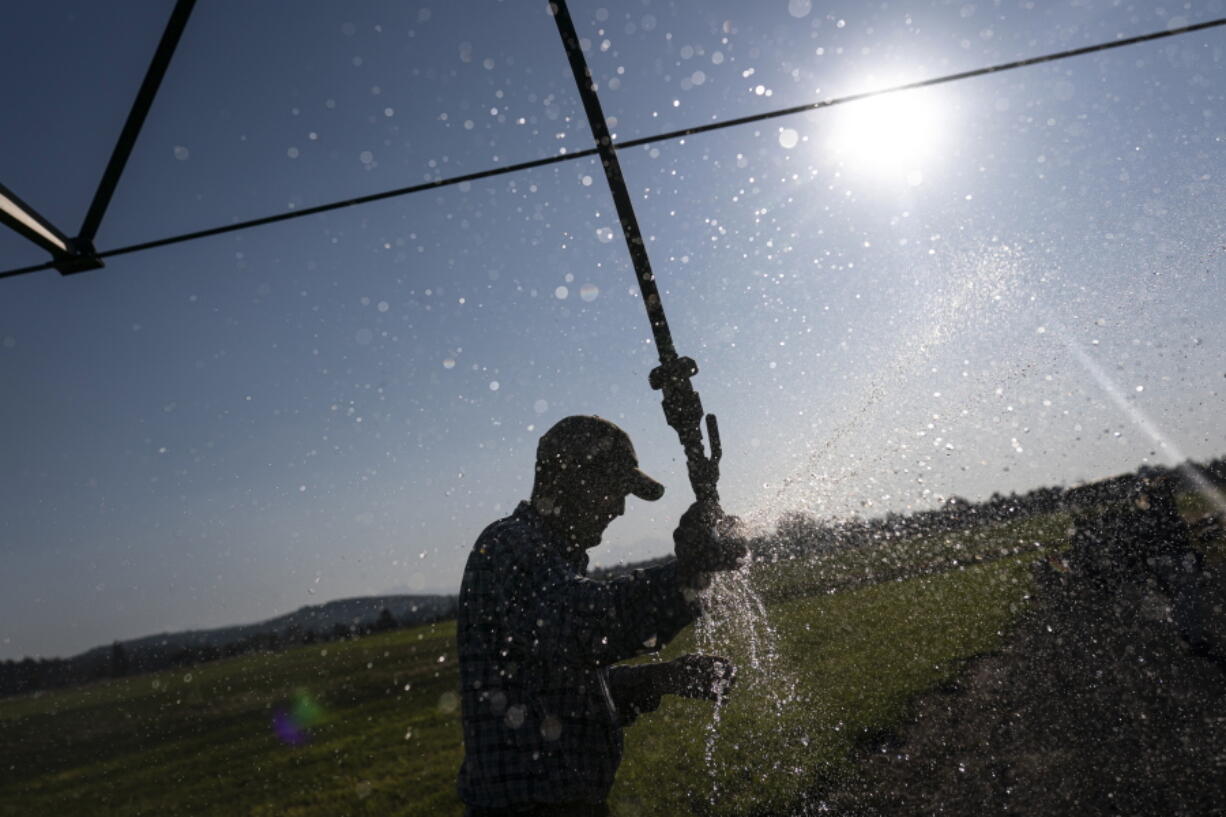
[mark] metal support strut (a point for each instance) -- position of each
(682, 405)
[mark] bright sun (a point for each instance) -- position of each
(894, 137)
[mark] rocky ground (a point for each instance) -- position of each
(1096, 705)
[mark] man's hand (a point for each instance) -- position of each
(708, 677)
(707, 541)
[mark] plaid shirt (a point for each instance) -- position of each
(543, 708)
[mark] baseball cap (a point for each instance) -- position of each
(587, 442)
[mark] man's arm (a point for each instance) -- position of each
(561, 616)
(638, 689)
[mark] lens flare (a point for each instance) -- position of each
(292, 723)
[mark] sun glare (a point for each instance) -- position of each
(894, 137)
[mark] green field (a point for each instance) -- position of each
(381, 721)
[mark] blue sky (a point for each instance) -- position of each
(990, 285)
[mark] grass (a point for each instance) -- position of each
(848, 665)
(907, 558)
(385, 736)
(200, 741)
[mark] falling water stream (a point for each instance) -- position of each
(735, 624)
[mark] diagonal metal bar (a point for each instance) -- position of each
(321, 208)
(136, 119)
(24, 219)
(617, 183)
(924, 83)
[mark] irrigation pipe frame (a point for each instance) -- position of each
(646, 140)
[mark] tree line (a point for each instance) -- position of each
(802, 533)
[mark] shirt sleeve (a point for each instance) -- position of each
(560, 615)
(635, 690)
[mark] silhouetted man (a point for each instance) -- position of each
(543, 705)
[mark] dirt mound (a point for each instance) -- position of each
(1096, 705)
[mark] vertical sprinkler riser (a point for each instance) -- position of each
(682, 405)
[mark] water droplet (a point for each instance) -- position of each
(551, 728)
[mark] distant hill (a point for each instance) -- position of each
(320, 618)
(343, 618)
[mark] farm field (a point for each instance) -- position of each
(371, 726)
(334, 305)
